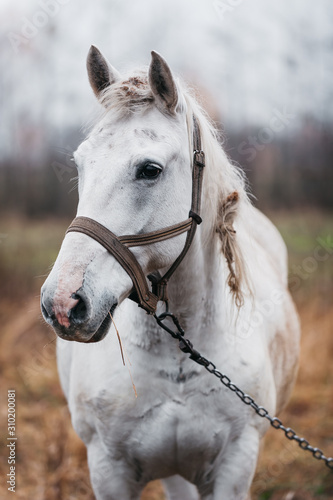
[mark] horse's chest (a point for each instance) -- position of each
(171, 427)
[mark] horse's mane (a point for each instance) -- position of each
(224, 198)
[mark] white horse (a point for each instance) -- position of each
(229, 293)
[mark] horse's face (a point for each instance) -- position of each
(134, 177)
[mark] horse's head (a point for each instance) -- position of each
(134, 177)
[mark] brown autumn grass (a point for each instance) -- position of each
(51, 460)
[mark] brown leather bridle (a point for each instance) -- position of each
(118, 246)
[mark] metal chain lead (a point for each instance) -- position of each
(186, 346)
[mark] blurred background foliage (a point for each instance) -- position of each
(263, 70)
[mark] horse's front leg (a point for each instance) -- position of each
(235, 472)
(111, 479)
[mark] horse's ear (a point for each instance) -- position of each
(162, 83)
(100, 72)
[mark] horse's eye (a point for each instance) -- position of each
(149, 171)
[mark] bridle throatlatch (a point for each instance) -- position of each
(118, 246)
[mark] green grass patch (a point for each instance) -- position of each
(28, 249)
(309, 239)
(266, 495)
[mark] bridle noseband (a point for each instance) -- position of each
(118, 246)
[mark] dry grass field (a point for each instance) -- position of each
(51, 460)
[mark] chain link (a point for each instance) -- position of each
(186, 346)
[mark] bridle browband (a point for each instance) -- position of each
(118, 246)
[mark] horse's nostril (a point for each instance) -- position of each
(45, 312)
(79, 312)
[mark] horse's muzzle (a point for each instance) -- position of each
(73, 319)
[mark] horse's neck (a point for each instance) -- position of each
(195, 291)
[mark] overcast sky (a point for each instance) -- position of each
(252, 58)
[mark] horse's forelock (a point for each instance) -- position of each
(131, 94)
